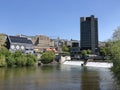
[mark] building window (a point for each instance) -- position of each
(12, 47)
(17, 47)
(22, 47)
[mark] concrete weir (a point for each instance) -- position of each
(90, 64)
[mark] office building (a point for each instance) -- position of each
(89, 33)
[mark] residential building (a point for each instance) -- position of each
(89, 33)
(23, 44)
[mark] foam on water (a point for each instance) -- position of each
(99, 64)
(91, 64)
(73, 62)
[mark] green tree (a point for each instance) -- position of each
(47, 57)
(116, 34)
(2, 40)
(115, 52)
(5, 51)
(65, 48)
(103, 51)
(88, 51)
(84, 53)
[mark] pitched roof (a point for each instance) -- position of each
(16, 39)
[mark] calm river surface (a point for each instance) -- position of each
(59, 77)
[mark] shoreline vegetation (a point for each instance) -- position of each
(113, 51)
(115, 56)
(19, 59)
(16, 59)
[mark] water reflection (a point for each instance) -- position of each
(64, 77)
(89, 79)
(15, 72)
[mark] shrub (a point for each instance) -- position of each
(31, 59)
(10, 60)
(17, 54)
(2, 60)
(21, 60)
(47, 57)
(16, 59)
(5, 52)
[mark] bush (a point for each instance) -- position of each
(5, 52)
(31, 59)
(2, 60)
(10, 60)
(47, 57)
(16, 59)
(20, 59)
(17, 54)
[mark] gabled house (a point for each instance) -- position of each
(23, 44)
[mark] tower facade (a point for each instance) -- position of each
(89, 33)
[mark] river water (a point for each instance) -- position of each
(57, 77)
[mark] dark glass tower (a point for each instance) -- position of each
(89, 33)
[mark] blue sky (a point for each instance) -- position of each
(57, 18)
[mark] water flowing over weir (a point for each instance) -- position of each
(91, 64)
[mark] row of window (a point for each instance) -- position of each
(17, 47)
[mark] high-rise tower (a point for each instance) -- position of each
(89, 33)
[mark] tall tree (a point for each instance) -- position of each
(103, 51)
(65, 48)
(2, 40)
(116, 34)
(88, 51)
(84, 53)
(115, 52)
